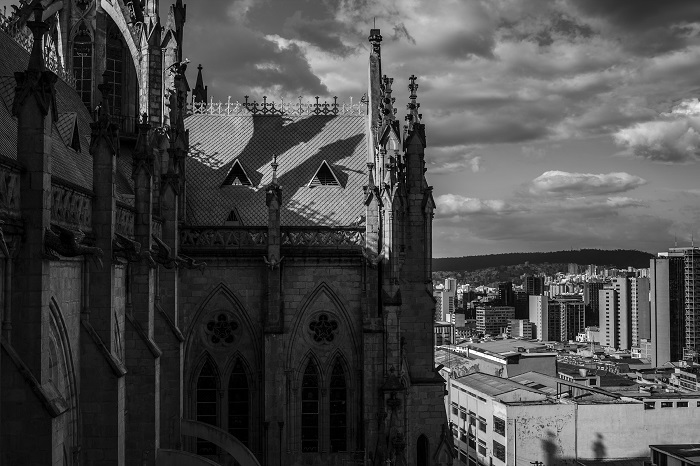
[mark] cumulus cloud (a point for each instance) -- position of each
(583, 184)
(454, 159)
(673, 137)
(451, 205)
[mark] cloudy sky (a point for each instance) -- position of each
(551, 124)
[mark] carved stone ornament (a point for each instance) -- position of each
(125, 250)
(323, 329)
(66, 243)
(220, 330)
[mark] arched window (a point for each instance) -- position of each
(238, 404)
(422, 451)
(309, 408)
(115, 68)
(338, 408)
(206, 405)
(82, 65)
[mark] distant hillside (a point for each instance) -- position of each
(620, 258)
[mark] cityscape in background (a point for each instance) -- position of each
(599, 362)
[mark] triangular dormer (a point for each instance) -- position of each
(237, 176)
(324, 177)
(67, 125)
(233, 219)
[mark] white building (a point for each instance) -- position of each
(535, 418)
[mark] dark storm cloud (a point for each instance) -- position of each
(647, 27)
(323, 33)
(238, 59)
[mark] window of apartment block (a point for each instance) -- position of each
(462, 456)
(463, 435)
(471, 441)
(681, 404)
(649, 405)
(482, 424)
(472, 419)
(463, 413)
(499, 426)
(454, 408)
(482, 447)
(499, 451)
(667, 404)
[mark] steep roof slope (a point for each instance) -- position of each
(300, 143)
(67, 164)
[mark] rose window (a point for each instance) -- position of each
(323, 330)
(220, 330)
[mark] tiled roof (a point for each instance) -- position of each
(301, 144)
(72, 166)
(65, 125)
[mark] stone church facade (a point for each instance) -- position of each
(186, 282)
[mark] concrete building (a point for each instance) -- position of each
(590, 299)
(539, 316)
(534, 286)
(675, 455)
(640, 309)
(572, 316)
(533, 417)
(185, 282)
(446, 301)
(444, 333)
(493, 320)
(503, 358)
(667, 301)
(521, 328)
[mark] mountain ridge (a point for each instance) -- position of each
(620, 258)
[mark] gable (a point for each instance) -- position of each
(324, 176)
(237, 176)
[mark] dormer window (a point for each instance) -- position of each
(237, 176)
(324, 177)
(233, 219)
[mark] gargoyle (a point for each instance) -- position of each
(126, 250)
(67, 243)
(272, 263)
(190, 263)
(373, 259)
(162, 254)
(179, 67)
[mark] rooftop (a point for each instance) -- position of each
(300, 144)
(689, 452)
(493, 386)
(507, 346)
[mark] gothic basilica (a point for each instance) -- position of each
(186, 282)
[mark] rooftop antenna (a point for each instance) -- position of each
(675, 241)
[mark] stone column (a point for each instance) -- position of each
(26, 426)
(274, 379)
(102, 391)
(142, 353)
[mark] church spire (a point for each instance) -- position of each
(200, 90)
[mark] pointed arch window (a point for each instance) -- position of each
(207, 384)
(338, 408)
(238, 404)
(82, 64)
(422, 451)
(115, 68)
(310, 408)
